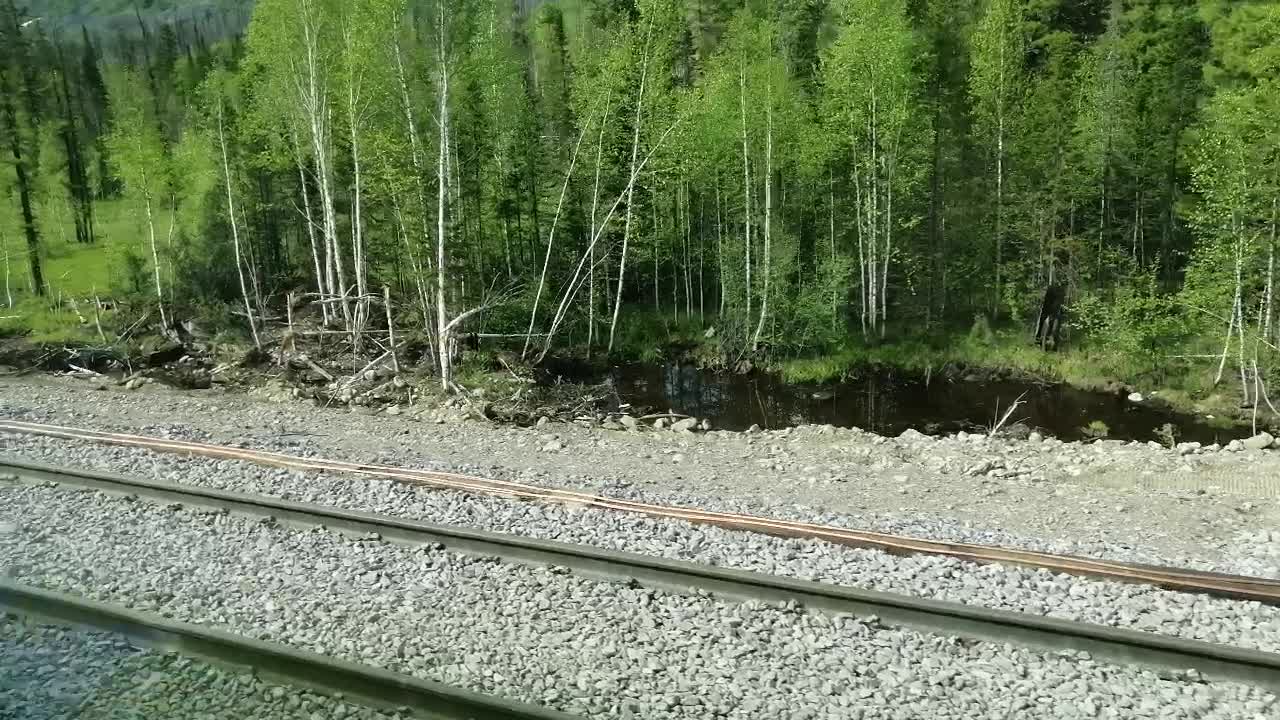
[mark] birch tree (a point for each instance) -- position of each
(293, 44)
(871, 88)
(216, 86)
(995, 84)
(1236, 170)
(139, 159)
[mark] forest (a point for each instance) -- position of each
(773, 182)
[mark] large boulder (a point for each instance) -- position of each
(1261, 441)
(685, 425)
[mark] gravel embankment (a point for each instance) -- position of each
(49, 672)
(544, 636)
(1127, 501)
(1139, 607)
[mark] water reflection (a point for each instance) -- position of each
(890, 401)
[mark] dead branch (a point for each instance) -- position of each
(667, 415)
(374, 363)
(1007, 413)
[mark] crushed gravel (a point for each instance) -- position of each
(1139, 607)
(540, 635)
(49, 672)
(1107, 499)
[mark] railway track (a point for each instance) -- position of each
(372, 686)
(1178, 579)
(1112, 644)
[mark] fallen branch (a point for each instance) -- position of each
(129, 330)
(372, 364)
(328, 377)
(1007, 413)
(667, 415)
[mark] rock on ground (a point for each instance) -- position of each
(595, 649)
(49, 672)
(1139, 607)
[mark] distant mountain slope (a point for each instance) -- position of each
(103, 14)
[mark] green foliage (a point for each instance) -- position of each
(1096, 429)
(1167, 435)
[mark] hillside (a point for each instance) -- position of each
(106, 13)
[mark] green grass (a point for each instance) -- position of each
(41, 322)
(72, 271)
(1010, 350)
(1185, 385)
(71, 268)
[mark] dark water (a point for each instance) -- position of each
(889, 401)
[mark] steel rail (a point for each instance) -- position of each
(979, 623)
(1238, 587)
(371, 686)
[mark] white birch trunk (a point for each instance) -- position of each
(746, 182)
(442, 180)
(626, 231)
(862, 254)
(575, 281)
(768, 213)
(995, 311)
(720, 245)
(357, 222)
(8, 286)
(155, 255)
(591, 249)
(416, 155)
(1271, 267)
(831, 206)
(235, 230)
(551, 235)
(314, 97)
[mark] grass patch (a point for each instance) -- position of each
(1086, 366)
(72, 268)
(45, 323)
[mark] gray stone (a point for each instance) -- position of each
(685, 425)
(426, 609)
(1187, 448)
(660, 424)
(1261, 441)
(629, 422)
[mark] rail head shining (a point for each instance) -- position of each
(970, 621)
